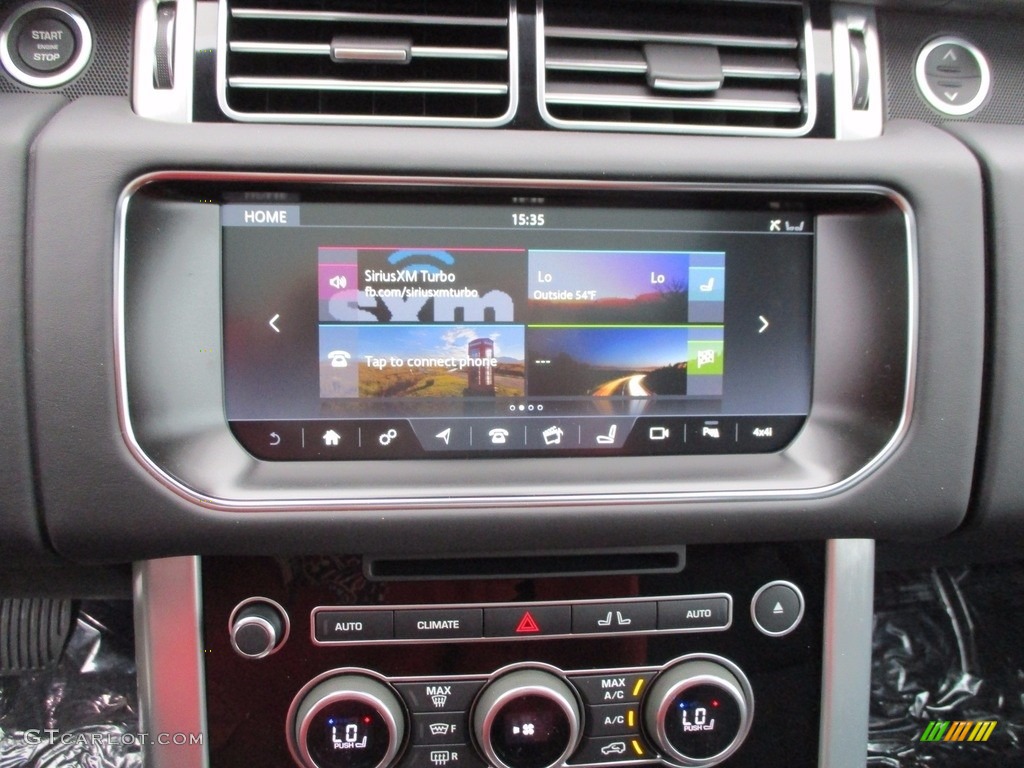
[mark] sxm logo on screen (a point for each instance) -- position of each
(959, 730)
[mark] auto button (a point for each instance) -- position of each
(354, 626)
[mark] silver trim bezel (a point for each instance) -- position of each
(445, 500)
(169, 104)
(847, 642)
(796, 621)
(808, 79)
(428, 122)
(856, 124)
(521, 606)
(167, 600)
(79, 59)
(921, 77)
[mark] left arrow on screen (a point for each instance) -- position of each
(273, 322)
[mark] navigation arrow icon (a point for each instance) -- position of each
(446, 435)
(764, 323)
(273, 320)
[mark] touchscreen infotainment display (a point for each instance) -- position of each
(513, 326)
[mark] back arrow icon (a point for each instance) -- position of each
(764, 323)
(274, 320)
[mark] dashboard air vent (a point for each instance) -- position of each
(450, 62)
(719, 66)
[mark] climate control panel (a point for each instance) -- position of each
(693, 711)
(319, 662)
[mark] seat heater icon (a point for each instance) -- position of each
(620, 620)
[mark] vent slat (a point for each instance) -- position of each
(342, 61)
(724, 100)
(598, 72)
(324, 49)
(362, 86)
(593, 59)
(274, 14)
(682, 38)
(631, 62)
(760, 67)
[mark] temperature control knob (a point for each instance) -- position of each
(698, 711)
(528, 718)
(348, 721)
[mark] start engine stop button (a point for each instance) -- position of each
(45, 44)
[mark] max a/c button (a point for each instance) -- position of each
(600, 690)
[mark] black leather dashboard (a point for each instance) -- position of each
(116, 447)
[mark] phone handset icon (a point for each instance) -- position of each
(339, 358)
(498, 436)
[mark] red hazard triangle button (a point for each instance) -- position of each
(527, 620)
(527, 625)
